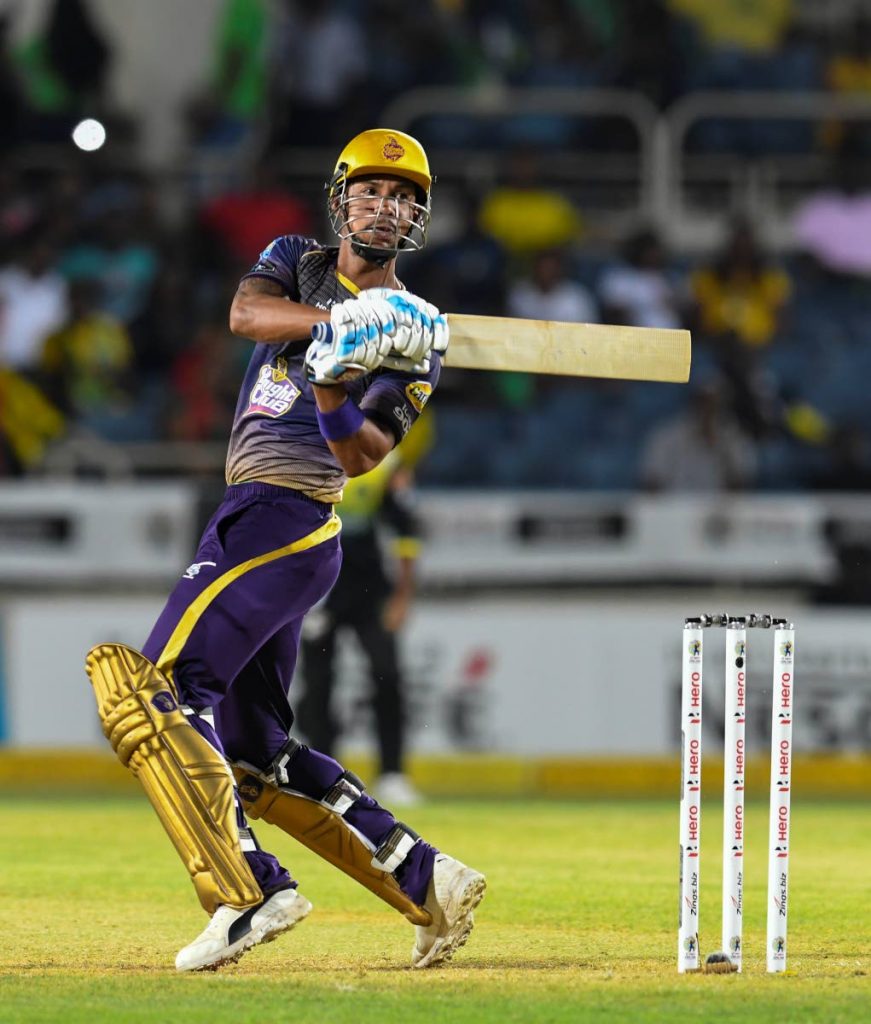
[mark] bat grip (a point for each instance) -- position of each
(322, 331)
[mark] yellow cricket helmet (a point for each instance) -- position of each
(382, 151)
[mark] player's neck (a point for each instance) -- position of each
(363, 273)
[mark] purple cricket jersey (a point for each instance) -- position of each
(275, 437)
(229, 634)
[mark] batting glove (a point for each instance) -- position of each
(348, 348)
(420, 328)
(369, 309)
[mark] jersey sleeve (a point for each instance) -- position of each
(279, 260)
(395, 400)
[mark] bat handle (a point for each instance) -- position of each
(322, 331)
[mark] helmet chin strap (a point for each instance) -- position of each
(372, 254)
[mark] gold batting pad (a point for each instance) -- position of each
(324, 833)
(184, 777)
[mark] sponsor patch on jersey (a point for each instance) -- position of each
(403, 418)
(264, 264)
(418, 392)
(264, 267)
(274, 393)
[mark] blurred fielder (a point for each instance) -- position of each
(371, 599)
(310, 414)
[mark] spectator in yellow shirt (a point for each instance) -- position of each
(848, 73)
(757, 26)
(87, 366)
(739, 300)
(741, 295)
(523, 215)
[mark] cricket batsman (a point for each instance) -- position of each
(202, 716)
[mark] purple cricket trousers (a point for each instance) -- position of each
(228, 638)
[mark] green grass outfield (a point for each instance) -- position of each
(579, 923)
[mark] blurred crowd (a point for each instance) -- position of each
(113, 309)
(310, 73)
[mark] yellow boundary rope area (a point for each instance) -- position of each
(28, 769)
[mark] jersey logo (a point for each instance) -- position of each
(264, 263)
(418, 392)
(274, 393)
(393, 150)
(404, 417)
(194, 570)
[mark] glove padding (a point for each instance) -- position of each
(420, 329)
(360, 337)
(365, 310)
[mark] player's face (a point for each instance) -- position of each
(380, 211)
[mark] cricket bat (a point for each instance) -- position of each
(569, 349)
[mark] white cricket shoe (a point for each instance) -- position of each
(454, 892)
(394, 789)
(231, 932)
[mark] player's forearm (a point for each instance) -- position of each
(366, 447)
(404, 587)
(270, 319)
(363, 451)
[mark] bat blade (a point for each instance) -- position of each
(568, 349)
